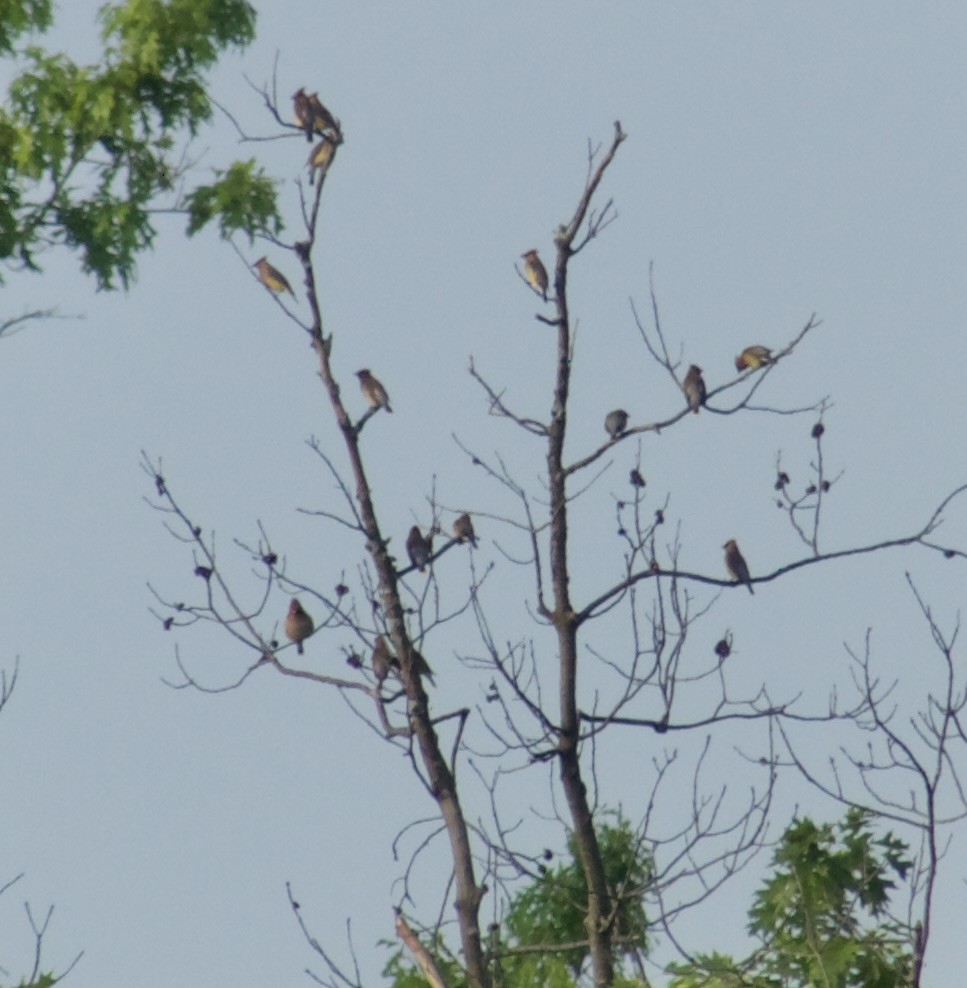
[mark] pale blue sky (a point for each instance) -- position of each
(781, 160)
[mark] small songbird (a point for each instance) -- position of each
(736, 564)
(463, 530)
(373, 391)
(298, 625)
(320, 158)
(322, 119)
(616, 422)
(422, 666)
(535, 273)
(419, 549)
(302, 111)
(753, 357)
(272, 278)
(384, 662)
(694, 388)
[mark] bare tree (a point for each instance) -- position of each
(655, 685)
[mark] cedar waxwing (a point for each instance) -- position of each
(753, 357)
(320, 157)
(298, 625)
(419, 549)
(535, 273)
(373, 391)
(272, 278)
(302, 112)
(694, 388)
(463, 530)
(322, 119)
(615, 423)
(384, 662)
(736, 565)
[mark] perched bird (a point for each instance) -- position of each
(736, 564)
(298, 625)
(384, 662)
(463, 530)
(616, 422)
(419, 549)
(373, 391)
(422, 666)
(694, 388)
(322, 119)
(272, 278)
(302, 111)
(320, 158)
(753, 357)
(535, 273)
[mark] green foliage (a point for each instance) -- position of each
(550, 911)
(242, 198)
(821, 914)
(18, 16)
(84, 149)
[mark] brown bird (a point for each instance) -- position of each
(694, 388)
(616, 422)
(302, 112)
(320, 158)
(384, 662)
(322, 119)
(298, 625)
(535, 273)
(463, 530)
(419, 549)
(272, 278)
(736, 564)
(753, 357)
(373, 391)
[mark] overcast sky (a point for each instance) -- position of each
(782, 160)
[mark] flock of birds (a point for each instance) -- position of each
(315, 120)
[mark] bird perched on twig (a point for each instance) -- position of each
(322, 119)
(384, 662)
(298, 625)
(373, 391)
(463, 530)
(418, 548)
(736, 564)
(535, 273)
(320, 158)
(753, 357)
(302, 112)
(272, 278)
(616, 422)
(694, 388)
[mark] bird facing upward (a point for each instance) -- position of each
(298, 625)
(419, 549)
(694, 388)
(616, 422)
(736, 564)
(272, 278)
(753, 357)
(463, 530)
(373, 391)
(535, 273)
(302, 112)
